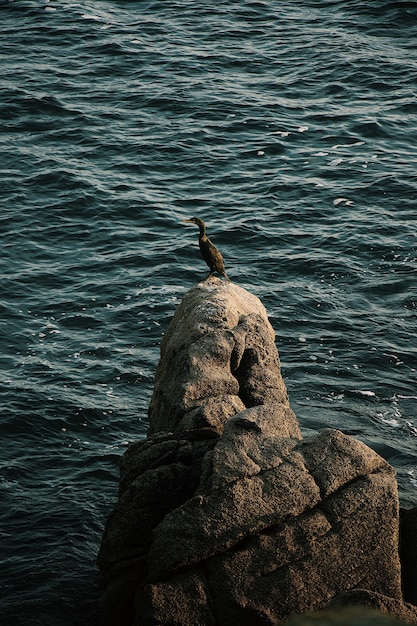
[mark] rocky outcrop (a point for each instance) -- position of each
(226, 516)
(218, 357)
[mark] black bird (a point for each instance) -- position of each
(208, 250)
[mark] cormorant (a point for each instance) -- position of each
(208, 250)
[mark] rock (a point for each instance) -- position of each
(233, 509)
(264, 542)
(226, 516)
(179, 601)
(157, 476)
(218, 357)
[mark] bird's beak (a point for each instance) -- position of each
(188, 221)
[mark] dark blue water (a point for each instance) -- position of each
(291, 129)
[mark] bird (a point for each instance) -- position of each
(208, 250)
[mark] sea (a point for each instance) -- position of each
(291, 129)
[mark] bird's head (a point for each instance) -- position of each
(197, 221)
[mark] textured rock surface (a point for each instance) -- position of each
(218, 357)
(225, 515)
(261, 543)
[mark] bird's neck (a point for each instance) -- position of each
(202, 228)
